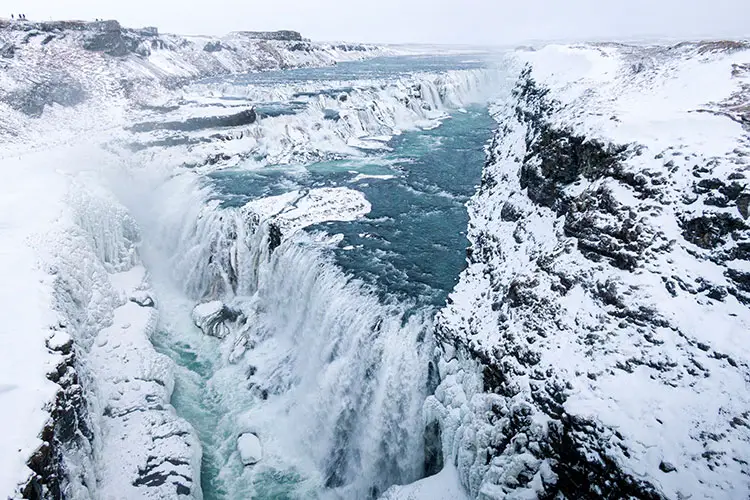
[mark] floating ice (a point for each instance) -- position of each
(250, 448)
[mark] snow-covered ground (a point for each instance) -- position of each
(605, 305)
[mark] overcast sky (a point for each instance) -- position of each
(419, 21)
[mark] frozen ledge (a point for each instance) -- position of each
(302, 208)
(149, 451)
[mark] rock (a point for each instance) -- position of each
(743, 203)
(250, 448)
(282, 35)
(214, 46)
(711, 229)
(245, 117)
(143, 50)
(8, 50)
(667, 467)
(61, 342)
(149, 31)
(142, 298)
(211, 318)
(56, 88)
(113, 42)
(274, 237)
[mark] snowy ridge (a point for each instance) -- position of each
(597, 343)
(129, 438)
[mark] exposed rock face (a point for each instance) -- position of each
(68, 426)
(596, 345)
(214, 46)
(53, 88)
(110, 38)
(7, 50)
(244, 117)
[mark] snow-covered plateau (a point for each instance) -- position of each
(595, 346)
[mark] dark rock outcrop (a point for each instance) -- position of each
(68, 427)
(109, 37)
(245, 117)
(214, 46)
(58, 88)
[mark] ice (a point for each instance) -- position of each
(250, 449)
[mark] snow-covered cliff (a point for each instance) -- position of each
(598, 345)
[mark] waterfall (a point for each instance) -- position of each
(329, 375)
(331, 379)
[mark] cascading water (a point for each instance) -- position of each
(326, 365)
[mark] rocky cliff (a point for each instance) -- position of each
(598, 344)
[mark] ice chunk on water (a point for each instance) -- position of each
(250, 449)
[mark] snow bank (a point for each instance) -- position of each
(444, 485)
(298, 209)
(28, 317)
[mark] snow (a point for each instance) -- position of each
(295, 210)
(444, 485)
(209, 317)
(206, 310)
(59, 341)
(250, 448)
(136, 397)
(28, 318)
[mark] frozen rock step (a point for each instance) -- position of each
(250, 448)
(211, 318)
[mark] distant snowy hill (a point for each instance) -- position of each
(598, 345)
